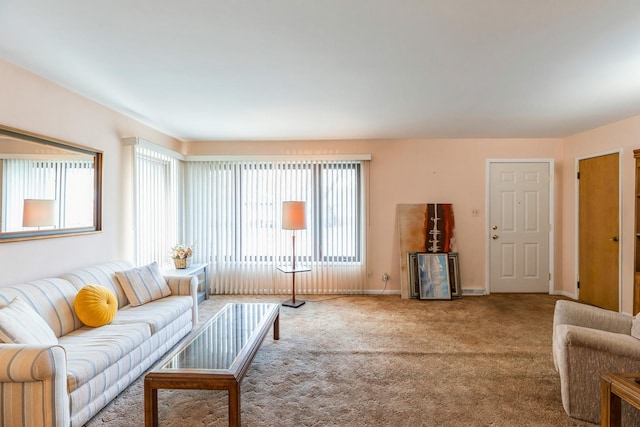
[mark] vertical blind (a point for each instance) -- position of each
(69, 182)
(157, 192)
(233, 214)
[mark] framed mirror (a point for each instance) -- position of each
(49, 188)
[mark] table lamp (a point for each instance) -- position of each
(39, 213)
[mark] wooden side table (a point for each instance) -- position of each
(199, 270)
(614, 389)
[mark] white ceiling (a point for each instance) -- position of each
(339, 69)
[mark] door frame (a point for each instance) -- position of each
(576, 216)
(489, 162)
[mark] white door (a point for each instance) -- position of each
(519, 227)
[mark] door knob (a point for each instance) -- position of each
(494, 237)
(495, 227)
(614, 238)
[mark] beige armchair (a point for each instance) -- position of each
(588, 342)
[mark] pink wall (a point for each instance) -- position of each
(402, 171)
(33, 104)
(417, 171)
(623, 136)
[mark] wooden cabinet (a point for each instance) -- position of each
(636, 263)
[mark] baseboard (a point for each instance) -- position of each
(473, 292)
(564, 294)
(382, 292)
(465, 292)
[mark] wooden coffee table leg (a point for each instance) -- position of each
(234, 404)
(615, 411)
(276, 328)
(150, 405)
(610, 405)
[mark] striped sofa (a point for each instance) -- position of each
(68, 383)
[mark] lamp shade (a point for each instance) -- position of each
(293, 216)
(38, 213)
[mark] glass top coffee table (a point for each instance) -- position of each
(215, 358)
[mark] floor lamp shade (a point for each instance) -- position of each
(38, 213)
(293, 216)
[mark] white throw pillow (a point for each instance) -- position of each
(143, 284)
(21, 324)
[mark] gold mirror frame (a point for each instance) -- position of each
(16, 143)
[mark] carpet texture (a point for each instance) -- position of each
(383, 361)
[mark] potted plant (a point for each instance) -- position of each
(181, 255)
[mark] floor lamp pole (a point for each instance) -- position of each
(293, 270)
(293, 264)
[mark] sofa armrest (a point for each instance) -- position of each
(185, 285)
(35, 378)
(578, 314)
(26, 363)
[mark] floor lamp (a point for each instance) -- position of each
(293, 218)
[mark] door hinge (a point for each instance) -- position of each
(549, 276)
(578, 175)
(578, 284)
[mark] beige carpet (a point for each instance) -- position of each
(383, 361)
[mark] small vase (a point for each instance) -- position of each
(181, 262)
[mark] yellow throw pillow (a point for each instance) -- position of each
(95, 305)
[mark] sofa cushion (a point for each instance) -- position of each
(143, 284)
(95, 305)
(90, 351)
(157, 314)
(20, 324)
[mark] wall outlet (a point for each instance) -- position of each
(385, 277)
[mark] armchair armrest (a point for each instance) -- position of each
(185, 285)
(610, 343)
(585, 316)
(35, 378)
(578, 314)
(582, 355)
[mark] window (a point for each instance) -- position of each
(339, 213)
(157, 207)
(332, 195)
(234, 213)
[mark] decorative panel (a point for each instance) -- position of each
(531, 209)
(508, 212)
(531, 260)
(508, 254)
(423, 228)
